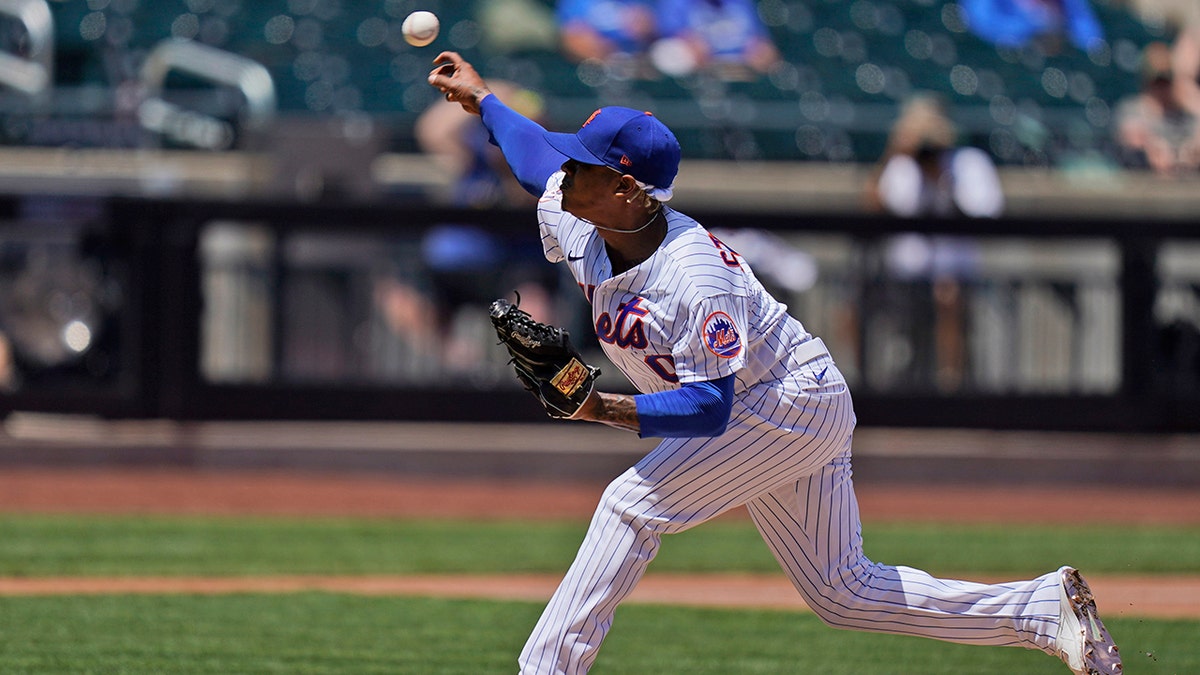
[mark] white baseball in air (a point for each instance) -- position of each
(420, 28)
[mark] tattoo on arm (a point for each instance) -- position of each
(615, 410)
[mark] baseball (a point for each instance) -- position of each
(420, 28)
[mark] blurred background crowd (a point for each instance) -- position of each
(1031, 82)
(905, 109)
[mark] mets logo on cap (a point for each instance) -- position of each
(721, 336)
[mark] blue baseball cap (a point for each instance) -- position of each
(630, 141)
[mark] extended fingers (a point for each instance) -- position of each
(446, 64)
(452, 57)
(457, 80)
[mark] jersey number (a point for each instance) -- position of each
(729, 256)
(663, 366)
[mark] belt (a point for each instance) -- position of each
(813, 349)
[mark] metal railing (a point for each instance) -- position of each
(209, 64)
(31, 74)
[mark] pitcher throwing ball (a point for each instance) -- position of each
(751, 408)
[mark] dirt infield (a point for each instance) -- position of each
(1153, 597)
(184, 491)
(175, 490)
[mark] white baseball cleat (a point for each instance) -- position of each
(1083, 643)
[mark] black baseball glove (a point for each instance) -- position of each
(545, 360)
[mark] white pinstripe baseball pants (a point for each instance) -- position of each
(796, 484)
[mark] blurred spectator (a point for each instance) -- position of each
(606, 29)
(467, 266)
(724, 36)
(924, 172)
(1185, 66)
(1166, 12)
(515, 26)
(1154, 128)
(458, 142)
(1018, 23)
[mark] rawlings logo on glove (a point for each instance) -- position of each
(573, 376)
(545, 361)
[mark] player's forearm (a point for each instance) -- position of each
(696, 409)
(615, 410)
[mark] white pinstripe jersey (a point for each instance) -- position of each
(693, 311)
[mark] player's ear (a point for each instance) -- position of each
(626, 187)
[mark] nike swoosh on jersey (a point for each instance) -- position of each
(573, 258)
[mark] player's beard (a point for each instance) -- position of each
(568, 200)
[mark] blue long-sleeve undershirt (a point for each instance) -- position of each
(695, 409)
(530, 157)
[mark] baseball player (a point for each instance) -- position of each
(751, 408)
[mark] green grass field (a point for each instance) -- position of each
(48, 545)
(343, 633)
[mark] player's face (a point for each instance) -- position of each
(588, 190)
